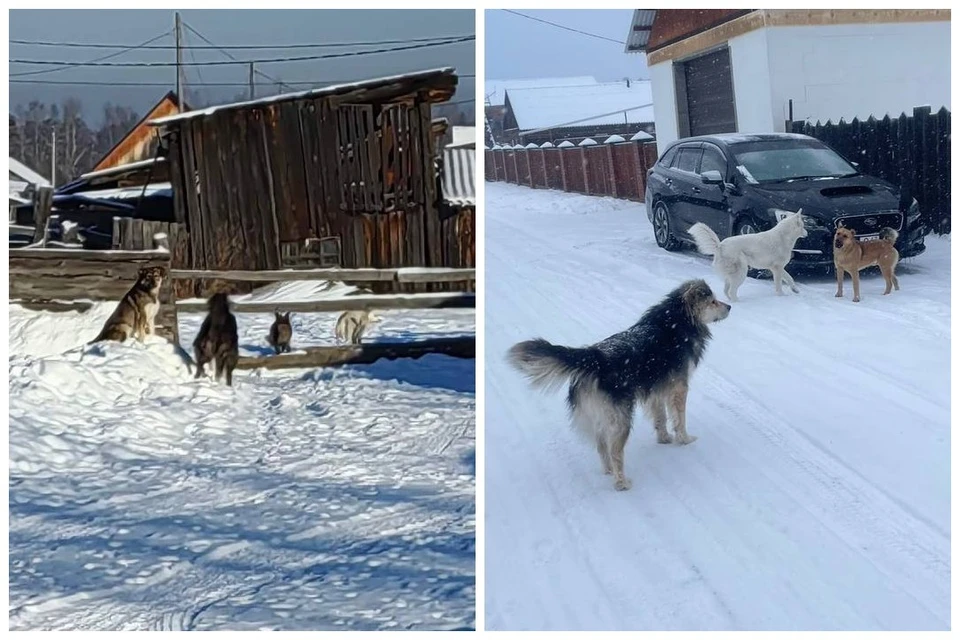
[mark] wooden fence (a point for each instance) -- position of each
(71, 279)
(912, 152)
(616, 169)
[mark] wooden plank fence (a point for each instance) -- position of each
(458, 347)
(616, 169)
(912, 152)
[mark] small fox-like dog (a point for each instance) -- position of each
(851, 255)
(218, 339)
(351, 325)
(280, 332)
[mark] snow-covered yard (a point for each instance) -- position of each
(299, 499)
(818, 493)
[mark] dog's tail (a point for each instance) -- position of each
(889, 234)
(548, 365)
(708, 242)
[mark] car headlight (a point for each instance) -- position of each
(809, 222)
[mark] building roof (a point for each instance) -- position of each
(495, 90)
(27, 174)
(458, 182)
(598, 104)
(136, 143)
(444, 73)
(639, 34)
(463, 136)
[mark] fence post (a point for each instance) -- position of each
(583, 166)
(613, 176)
(42, 204)
(642, 170)
(563, 169)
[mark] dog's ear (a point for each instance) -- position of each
(695, 293)
(286, 316)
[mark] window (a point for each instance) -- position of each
(689, 157)
(669, 156)
(713, 160)
(777, 160)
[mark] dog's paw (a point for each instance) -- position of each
(856, 299)
(622, 484)
(664, 438)
(795, 289)
(686, 439)
(838, 295)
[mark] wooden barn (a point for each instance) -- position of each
(345, 175)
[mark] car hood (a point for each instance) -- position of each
(833, 197)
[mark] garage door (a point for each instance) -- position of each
(705, 95)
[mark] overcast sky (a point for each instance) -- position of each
(226, 27)
(517, 47)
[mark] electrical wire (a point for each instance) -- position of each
(560, 26)
(94, 60)
(237, 47)
(101, 83)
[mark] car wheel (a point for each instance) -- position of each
(744, 226)
(661, 228)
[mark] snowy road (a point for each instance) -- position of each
(298, 499)
(818, 493)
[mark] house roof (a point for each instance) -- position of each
(458, 182)
(463, 136)
(598, 104)
(137, 140)
(444, 73)
(495, 90)
(27, 174)
(639, 34)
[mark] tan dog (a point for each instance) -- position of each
(851, 255)
(137, 311)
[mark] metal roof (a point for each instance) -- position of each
(459, 178)
(639, 34)
(27, 174)
(123, 168)
(329, 90)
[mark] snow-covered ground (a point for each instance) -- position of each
(299, 499)
(818, 493)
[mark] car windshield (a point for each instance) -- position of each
(782, 161)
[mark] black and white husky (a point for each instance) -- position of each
(651, 362)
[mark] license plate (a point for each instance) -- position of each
(870, 236)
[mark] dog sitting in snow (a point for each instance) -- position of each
(217, 340)
(651, 363)
(351, 325)
(280, 332)
(136, 313)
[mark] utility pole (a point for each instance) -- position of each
(179, 60)
(53, 160)
(252, 92)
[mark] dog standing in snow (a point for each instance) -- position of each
(651, 363)
(771, 249)
(351, 325)
(280, 332)
(218, 339)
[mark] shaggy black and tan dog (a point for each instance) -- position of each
(136, 313)
(217, 339)
(651, 362)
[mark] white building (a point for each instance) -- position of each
(729, 70)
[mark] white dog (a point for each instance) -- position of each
(353, 324)
(765, 250)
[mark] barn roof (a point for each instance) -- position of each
(598, 104)
(459, 183)
(495, 90)
(135, 143)
(440, 74)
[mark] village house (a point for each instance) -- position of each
(495, 93)
(750, 71)
(574, 113)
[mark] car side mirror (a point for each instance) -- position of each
(712, 177)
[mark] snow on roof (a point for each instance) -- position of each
(126, 193)
(27, 174)
(309, 93)
(587, 142)
(641, 135)
(601, 103)
(494, 90)
(121, 168)
(463, 136)
(614, 139)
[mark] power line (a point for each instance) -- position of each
(347, 54)
(314, 45)
(93, 61)
(101, 83)
(560, 26)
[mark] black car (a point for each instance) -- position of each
(744, 183)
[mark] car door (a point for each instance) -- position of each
(684, 180)
(709, 203)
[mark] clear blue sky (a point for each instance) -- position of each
(228, 27)
(518, 47)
